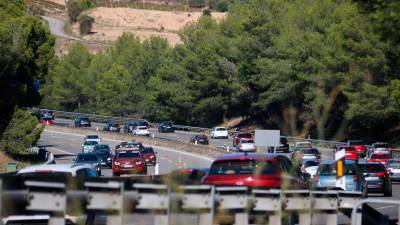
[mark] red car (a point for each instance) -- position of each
(252, 170)
(149, 156)
(381, 157)
(128, 162)
(46, 121)
(351, 152)
(238, 136)
(359, 146)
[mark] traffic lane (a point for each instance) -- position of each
(65, 146)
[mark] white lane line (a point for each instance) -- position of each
(59, 150)
(162, 148)
(386, 207)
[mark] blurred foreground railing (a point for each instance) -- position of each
(126, 201)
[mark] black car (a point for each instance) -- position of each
(82, 122)
(47, 114)
(164, 127)
(89, 159)
(104, 155)
(113, 127)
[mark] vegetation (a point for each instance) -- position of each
(26, 49)
(321, 67)
(22, 132)
(85, 24)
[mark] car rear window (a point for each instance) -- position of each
(243, 167)
(92, 137)
(148, 150)
(348, 148)
(380, 156)
(375, 168)
(142, 128)
(90, 143)
(330, 169)
(201, 136)
(382, 145)
(129, 154)
(311, 163)
(244, 135)
(247, 141)
(357, 142)
(220, 129)
(91, 157)
(304, 145)
(310, 151)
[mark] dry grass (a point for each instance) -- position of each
(4, 159)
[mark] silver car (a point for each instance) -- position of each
(325, 178)
(393, 168)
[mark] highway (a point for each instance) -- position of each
(66, 145)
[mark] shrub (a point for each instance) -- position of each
(197, 3)
(222, 5)
(207, 12)
(85, 24)
(22, 132)
(74, 10)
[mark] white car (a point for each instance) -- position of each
(95, 138)
(59, 169)
(141, 131)
(219, 132)
(246, 145)
(310, 167)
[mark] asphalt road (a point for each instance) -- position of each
(57, 28)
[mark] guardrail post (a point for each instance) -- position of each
(268, 201)
(325, 202)
(234, 199)
(156, 198)
(201, 199)
(49, 197)
(107, 197)
(298, 201)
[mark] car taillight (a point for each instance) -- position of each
(152, 156)
(316, 177)
(318, 155)
(240, 145)
(381, 174)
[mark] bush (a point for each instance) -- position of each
(222, 5)
(22, 133)
(74, 10)
(85, 24)
(35, 10)
(197, 3)
(207, 12)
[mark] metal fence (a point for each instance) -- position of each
(117, 199)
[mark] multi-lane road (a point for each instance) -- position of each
(65, 145)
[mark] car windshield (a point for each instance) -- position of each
(330, 169)
(106, 147)
(84, 119)
(310, 151)
(382, 145)
(373, 168)
(129, 154)
(148, 150)
(247, 141)
(201, 137)
(311, 163)
(91, 157)
(220, 129)
(303, 145)
(244, 135)
(90, 143)
(380, 156)
(243, 167)
(103, 153)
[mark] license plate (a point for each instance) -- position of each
(103, 163)
(127, 166)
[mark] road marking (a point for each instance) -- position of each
(386, 207)
(162, 148)
(59, 150)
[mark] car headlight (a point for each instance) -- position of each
(139, 163)
(117, 163)
(152, 156)
(108, 159)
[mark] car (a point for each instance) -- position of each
(89, 159)
(46, 121)
(141, 131)
(200, 139)
(379, 147)
(47, 114)
(378, 179)
(166, 126)
(284, 145)
(219, 132)
(246, 145)
(149, 156)
(304, 154)
(129, 145)
(104, 153)
(239, 136)
(381, 157)
(351, 152)
(257, 170)
(131, 125)
(95, 138)
(82, 122)
(47, 170)
(88, 146)
(113, 127)
(310, 167)
(128, 162)
(325, 177)
(359, 146)
(301, 145)
(393, 168)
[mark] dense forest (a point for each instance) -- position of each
(26, 50)
(329, 68)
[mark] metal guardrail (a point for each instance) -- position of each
(112, 119)
(118, 198)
